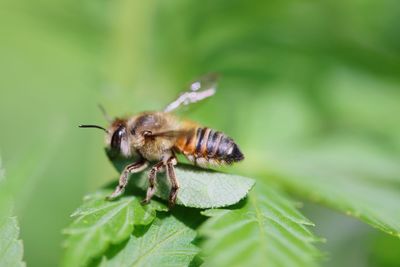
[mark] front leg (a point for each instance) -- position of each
(123, 179)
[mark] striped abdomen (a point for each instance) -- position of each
(205, 145)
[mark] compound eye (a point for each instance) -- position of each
(116, 138)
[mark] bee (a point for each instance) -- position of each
(157, 136)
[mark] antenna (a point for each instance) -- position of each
(105, 114)
(93, 126)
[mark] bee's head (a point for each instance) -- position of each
(117, 137)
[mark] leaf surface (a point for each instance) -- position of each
(167, 242)
(355, 179)
(99, 223)
(266, 231)
(11, 248)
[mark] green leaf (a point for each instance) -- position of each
(266, 231)
(167, 242)
(352, 177)
(11, 248)
(5, 198)
(99, 223)
(199, 188)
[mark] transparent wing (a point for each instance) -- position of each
(173, 134)
(203, 88)
(168, 134)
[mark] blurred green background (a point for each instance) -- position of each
(293, 74)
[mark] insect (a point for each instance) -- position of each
(158, 136)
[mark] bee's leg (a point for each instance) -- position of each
(152, 182)
(123, 179)
(174, 181)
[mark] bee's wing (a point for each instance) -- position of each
(203, 88)
(168, 134)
